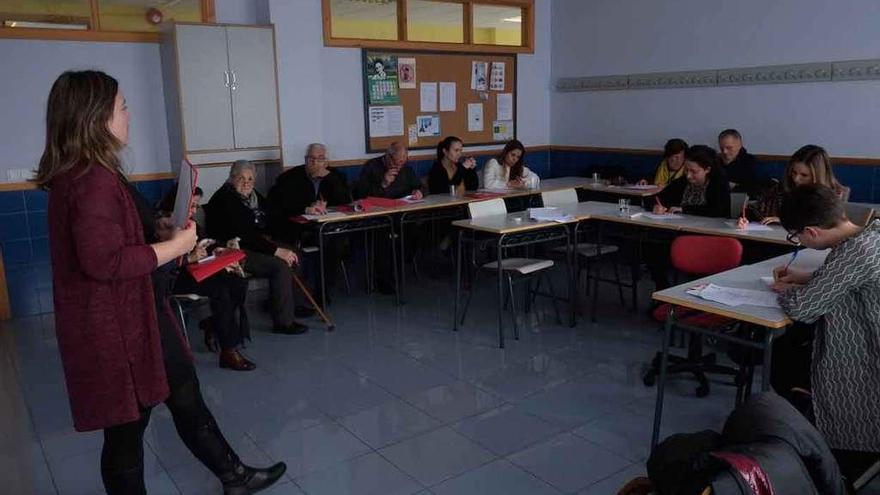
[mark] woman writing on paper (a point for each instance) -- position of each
(508, 171)
(703, 190)
(450, 170)
(808, 165)
(120, 346)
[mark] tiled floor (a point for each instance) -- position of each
(393, 402)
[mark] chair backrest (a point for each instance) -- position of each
(736, 204)
(859, 214)
(563, 197)
(705, 255)
(479, 209)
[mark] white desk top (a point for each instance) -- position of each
(743, 277)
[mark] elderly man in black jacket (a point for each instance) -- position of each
(309, 189)
(238, 210)
(388, 176)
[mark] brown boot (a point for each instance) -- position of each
(232, 359)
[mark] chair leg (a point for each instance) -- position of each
(513, 306)
(553, 298)
(182, 319)
(345, 277)
(619, 285)
(467, 302)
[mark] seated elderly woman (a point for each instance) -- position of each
(238, 210)
(227, 292)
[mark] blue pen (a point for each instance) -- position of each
(793, 257)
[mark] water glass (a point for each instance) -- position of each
(623, 205)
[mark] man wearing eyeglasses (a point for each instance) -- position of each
(310, 189)
(843, 298)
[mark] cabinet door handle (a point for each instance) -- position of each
(226, 78)
(233, 81)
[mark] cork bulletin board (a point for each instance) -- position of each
(408, 97)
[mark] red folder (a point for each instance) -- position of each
(371, 203)
(203, 270)
(484, 195)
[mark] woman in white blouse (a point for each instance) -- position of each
(507, 171)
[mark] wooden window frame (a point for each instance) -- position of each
(402, 43)
(94, 32)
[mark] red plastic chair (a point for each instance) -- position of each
(699, 256)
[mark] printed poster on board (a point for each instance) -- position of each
(406, 72)
(381, 79)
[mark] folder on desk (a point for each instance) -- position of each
(371, 203)
(209, 266)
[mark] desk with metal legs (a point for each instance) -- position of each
(773, 320)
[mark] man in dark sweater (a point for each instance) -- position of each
(309, 189)
(388, 176)
(740, 166)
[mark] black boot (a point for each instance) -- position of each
(128, 482)
(246, 480)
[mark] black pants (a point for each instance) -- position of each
(280, 277)
(122, 457)
(656, 256)
(792, 355)
(227, 293)
(336, 248)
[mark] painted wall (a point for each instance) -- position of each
(321, 90)
(602, 37)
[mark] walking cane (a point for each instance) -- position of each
(330, 325)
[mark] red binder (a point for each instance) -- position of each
(202, 270)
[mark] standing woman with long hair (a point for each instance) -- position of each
(121, 348)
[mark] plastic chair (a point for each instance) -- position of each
(589, 251)
(516, 270)
(700, 256)
(185, 304)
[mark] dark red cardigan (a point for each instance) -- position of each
(105, 311)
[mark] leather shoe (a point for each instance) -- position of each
(303, 312)
(253, 480)
(233, 360)
(210, 337)
(295, 328)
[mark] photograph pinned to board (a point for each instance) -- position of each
(406, 73)
(497, 79)
(429, 125)
(447, 97)
(505, 106)
(502, 130)
(386, 121)
(479, 76)
(428, 97)
(381, 78)
(475, 117)
(412, 134)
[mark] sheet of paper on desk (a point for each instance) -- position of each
(656, 216)
(730, 296)
(548, 215)
(768, 281)
(640, 187)
(751, 227)
(411, 199)
(329, 214)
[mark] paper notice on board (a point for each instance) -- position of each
(475, 117)
(447, 97)
(428, 97)
(502, 130)
(505, 106)
(479, 76)
(496, 82)
(413, 134)
(406, 73)
(386, 121)
(428, 125)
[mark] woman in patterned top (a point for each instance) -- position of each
(843, 297)
(808, 165)
(704, 189)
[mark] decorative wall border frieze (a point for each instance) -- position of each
(849, 70)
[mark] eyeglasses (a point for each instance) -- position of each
(315, 159)
(243, 180)
(794, 238)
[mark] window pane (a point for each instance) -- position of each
(364, 19)
(62, 14)
(496, 25)
(132, 15)
(428, 20)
